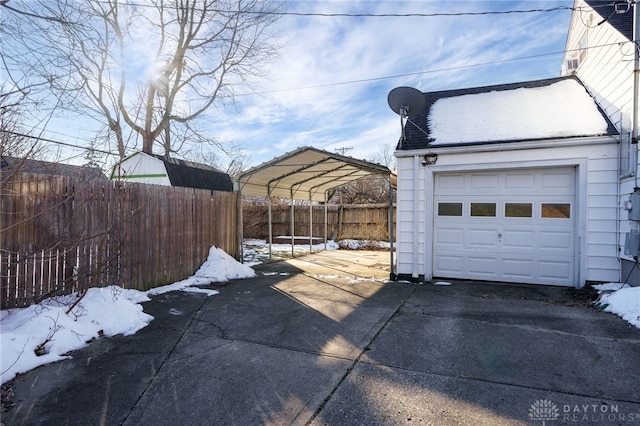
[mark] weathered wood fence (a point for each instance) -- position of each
(356, 221)
(60, 234)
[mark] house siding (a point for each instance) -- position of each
(406, 226)
(607, 73)
(597, 183)
(602, 244)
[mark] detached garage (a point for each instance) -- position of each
(512, 183)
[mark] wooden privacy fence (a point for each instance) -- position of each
(59, 234)
(354, 221)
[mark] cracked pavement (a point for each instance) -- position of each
(325, 339)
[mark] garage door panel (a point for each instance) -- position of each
(519, 181)
(556, 240)
(450, 238)
(451, 182)
(482, 238)
(484, 181)
(483, 267)
(518, 239)
(555, 182)
(556, 270)
(450, 264)
(519, 268)
(528, 237)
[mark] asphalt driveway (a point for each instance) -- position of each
(325, 339)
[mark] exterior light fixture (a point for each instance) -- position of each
(430, 159)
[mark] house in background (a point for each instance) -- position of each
(600, 52)
(511, 183)
(156, 169)
(12, 165)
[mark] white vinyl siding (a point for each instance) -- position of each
(607, 71)
(607, 74)
(407, 204)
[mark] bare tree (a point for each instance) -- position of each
(141, 67)
(372, 189)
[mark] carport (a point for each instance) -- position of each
(308, 174)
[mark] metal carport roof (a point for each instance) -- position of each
(307, 174)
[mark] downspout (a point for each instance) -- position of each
(241, 227)
(636, 85)
(414, 269)
(393, 275)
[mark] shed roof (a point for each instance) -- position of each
(534, 110)
(306, 173)
(195, 175)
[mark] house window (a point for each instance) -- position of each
(449, 209)
(518, 210)
(483, 209)
(583, 48)
(555, 211)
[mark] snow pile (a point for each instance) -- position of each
(44, 333)
(558, 110)
(349, 244)
(47, 332)
(219, 267)
(620, 299)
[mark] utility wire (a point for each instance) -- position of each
(411, 74)
(41, 139)
(388, 15)
(402, 15)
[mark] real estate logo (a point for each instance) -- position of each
(543, 410)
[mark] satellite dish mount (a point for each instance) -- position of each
(406, 101)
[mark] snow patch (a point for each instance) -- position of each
(47, 332)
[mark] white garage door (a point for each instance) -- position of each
(513, 226)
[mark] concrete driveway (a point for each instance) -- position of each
(325, 339)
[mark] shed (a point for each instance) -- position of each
(156, 169)
(509, 183)
(307, 174)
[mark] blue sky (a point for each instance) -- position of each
(308, 98)
(328, 87)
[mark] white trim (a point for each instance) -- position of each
(511, 146)
(581, 204)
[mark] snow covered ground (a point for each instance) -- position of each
(257, 251)
(48, 331)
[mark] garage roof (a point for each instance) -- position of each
(308, 172)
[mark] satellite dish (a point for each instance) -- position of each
(406, 101)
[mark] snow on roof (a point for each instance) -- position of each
(561, 109)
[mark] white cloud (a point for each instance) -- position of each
(304, 103)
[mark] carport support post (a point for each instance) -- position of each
(293, 236)
(326, 216)
(270, 218)
(310, 224)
